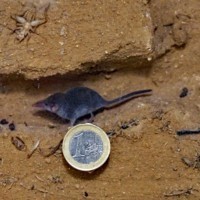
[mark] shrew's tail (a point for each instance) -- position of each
(127, 97)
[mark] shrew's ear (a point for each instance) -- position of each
(54, 108)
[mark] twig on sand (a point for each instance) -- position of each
(187, 191)
(35, 146)
(53, 149)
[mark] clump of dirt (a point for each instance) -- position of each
(148, 159)
(171, 28)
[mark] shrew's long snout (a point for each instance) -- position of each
(39, 104)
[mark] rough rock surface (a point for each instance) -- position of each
(75, 37)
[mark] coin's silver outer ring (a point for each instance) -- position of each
(86, 127)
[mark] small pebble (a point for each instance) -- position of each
(11, 126)
(4, 122)
(48, 160)
(107, 76)
(18, 143)
(184, 92)
(124, 126)
(86, 194)
(50, 125)
(77, 186)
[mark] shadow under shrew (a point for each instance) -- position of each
(51, 117)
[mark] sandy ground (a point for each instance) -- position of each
(146, 158)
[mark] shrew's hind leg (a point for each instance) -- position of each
(72, 122)
(91, 118)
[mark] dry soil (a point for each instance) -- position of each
(146, 158)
